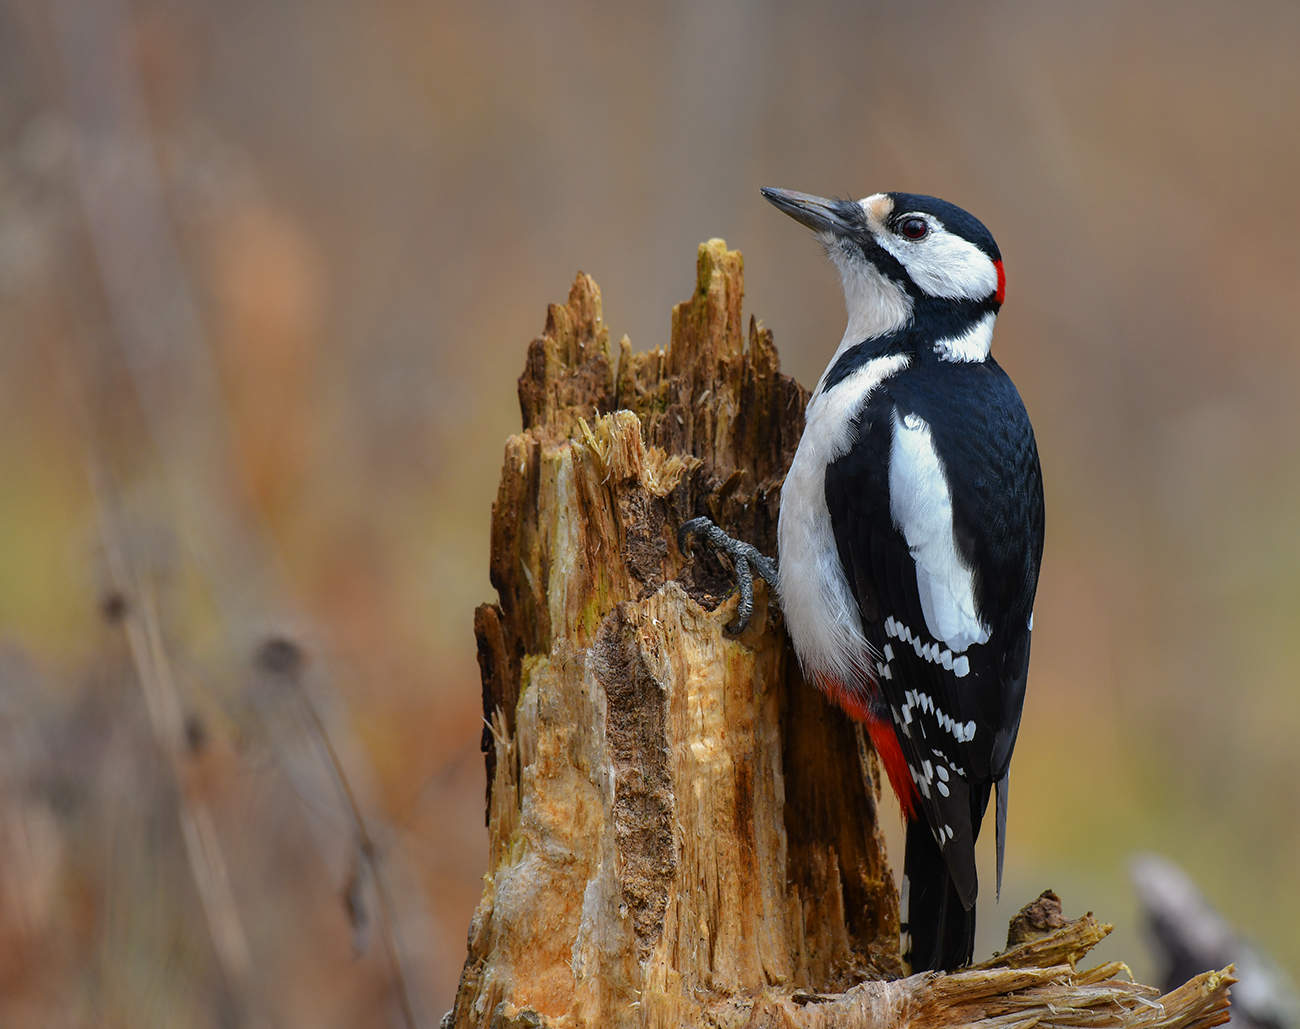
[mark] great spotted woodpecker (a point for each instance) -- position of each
(910, 535)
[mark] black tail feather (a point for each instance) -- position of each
(941, 929)
(1003, 785)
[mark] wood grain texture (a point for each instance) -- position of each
(682, 832)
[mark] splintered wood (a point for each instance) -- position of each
(683, 833)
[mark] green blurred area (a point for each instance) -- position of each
(267, 275)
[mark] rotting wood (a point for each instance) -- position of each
(682, 832)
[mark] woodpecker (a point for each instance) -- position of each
(911, 533)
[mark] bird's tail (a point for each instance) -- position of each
(940, 928)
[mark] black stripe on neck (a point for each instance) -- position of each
(862, 354)
(935, 318)
(932, 319)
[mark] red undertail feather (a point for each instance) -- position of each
(883, 737)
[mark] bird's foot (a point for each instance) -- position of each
(746, 558)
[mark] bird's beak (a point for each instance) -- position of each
(818, 213)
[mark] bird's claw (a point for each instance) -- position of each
(746, 558)
(689, 528)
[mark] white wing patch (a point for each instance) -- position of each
(921, 506)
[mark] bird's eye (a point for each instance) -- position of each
(914, 228)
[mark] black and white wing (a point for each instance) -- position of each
(937, 513)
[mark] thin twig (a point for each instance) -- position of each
(203, 850)
(369, 854)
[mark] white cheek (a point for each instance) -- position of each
(944, 265)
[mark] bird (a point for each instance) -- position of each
(910, 536)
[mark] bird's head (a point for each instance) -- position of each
(897, 252)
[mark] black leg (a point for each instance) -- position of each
(743, 555)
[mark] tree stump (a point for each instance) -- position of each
(682, 832)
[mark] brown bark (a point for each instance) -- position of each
(682, 832)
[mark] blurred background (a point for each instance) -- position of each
(267, 276)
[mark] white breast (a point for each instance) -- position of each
(820, 612)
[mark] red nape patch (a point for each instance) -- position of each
(883, 737)
(1001, 294)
